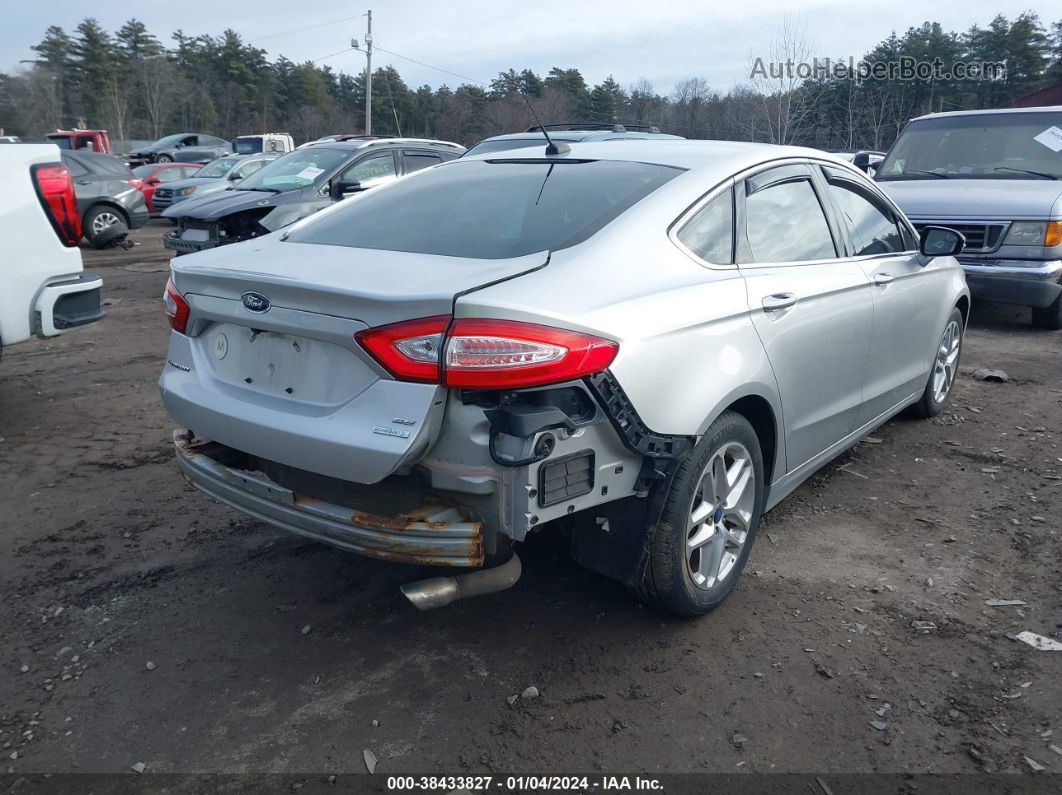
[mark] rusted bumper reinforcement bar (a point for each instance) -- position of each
(436, 535)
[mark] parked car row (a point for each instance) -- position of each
(221, 174)
(296, 185)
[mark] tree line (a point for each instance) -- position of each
(130, 83)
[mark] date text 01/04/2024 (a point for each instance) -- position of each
(523, 783)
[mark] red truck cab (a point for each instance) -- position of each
(91, 140)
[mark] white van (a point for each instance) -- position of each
(263, 143)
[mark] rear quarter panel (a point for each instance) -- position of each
(687, 344)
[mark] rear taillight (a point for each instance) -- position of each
(486, 354)
(55, 189)
(505, 354)
(410, 351)
(177, 308)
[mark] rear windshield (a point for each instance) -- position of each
(62, 141)
(144, 170)
(490, 209)
(978, 146)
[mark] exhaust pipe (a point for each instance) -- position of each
(441, 591)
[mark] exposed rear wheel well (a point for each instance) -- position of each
(760, 415)
(964, 307)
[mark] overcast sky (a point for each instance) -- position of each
(662, 40)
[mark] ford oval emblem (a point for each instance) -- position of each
(255, 302)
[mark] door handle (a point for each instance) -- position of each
(84, 182)
(884, 278)
(779, 301)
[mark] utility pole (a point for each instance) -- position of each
(368, 73)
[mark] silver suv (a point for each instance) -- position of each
(996, 177)
(647, 344)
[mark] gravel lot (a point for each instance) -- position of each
(143, 623)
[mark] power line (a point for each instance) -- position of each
(332, 55)
(300, 30)
(429, 66)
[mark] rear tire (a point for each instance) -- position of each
(945, 368)
(708, 523)
(97, 220)
(1050, 316)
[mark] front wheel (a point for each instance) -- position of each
(945, 368)
(708, 522)
(1050, 316)
(163, 158)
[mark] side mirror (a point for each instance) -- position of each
(342, 189)
(939, 241)
(861, 160)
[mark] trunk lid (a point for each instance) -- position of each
(371, 286)
(277, 374)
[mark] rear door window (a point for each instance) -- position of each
(417, 160)
(784, 221)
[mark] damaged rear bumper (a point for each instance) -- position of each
(434, 534)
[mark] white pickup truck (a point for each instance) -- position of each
(44, 290)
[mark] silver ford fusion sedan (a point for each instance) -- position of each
(644, 345)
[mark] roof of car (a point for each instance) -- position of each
(1041, 109)
(94, 160)
(380, 142)
(569, 136)
(726, 157)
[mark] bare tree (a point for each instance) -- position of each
(116, 108)
(785, 107)
(158, 83)
(41, 104)
(688, 102)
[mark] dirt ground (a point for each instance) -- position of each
(143, 623)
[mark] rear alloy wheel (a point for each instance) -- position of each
(163, 158)
(1050, 316)
(98, 220)
(708, 522)
(945, 368)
